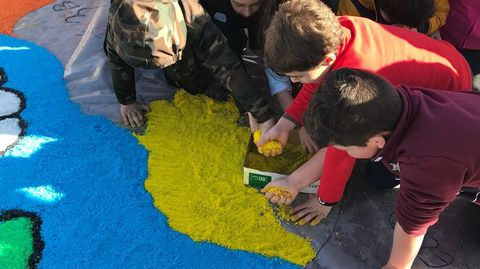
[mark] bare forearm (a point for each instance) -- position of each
(286, 124)
(309, 172)
(404, 250)
(284, 98)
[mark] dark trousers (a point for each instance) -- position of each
(473, 59)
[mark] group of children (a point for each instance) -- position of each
(383, 88)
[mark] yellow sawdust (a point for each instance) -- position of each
(283, 212)
(195, 178)
(277, 191)
(270, 146)
(291, 158)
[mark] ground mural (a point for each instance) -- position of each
(79, 182)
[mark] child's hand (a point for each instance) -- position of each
(271, 148)
(264, 127)
(280, 192)
(133, 114)
(276, 133)
(254, 125)
(307, 142)
(310, 211)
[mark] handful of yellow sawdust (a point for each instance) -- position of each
(186, 188)
(270, 146)
(282, 193)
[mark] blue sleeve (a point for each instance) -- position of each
(276, 82)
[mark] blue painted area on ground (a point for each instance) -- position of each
(87, 182)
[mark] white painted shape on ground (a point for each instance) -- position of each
(42, 193)
(13, 48)
(9, 103)
(9, 131)
(28, 146)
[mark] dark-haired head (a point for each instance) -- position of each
(412, 13)
(351, 107)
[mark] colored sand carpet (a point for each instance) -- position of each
(84, 178)
(195, 178)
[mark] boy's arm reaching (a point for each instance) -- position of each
(334, 166)
(211, 48)
(404, 249)
(312, 210)
(279, 132)
(337, 169)
(123, 79)
(305, 175)
(284, 98)
(428, 186)
(300, 104)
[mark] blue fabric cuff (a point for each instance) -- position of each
(276, 82)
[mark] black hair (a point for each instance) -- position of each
(268, 9)
(413, 13)
(351, 107)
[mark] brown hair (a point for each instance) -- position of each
(300, 34)
(268, 9)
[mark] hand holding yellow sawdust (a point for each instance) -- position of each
(278, 191)
(270, 146)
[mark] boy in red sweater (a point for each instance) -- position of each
(425, 137)
(305, 41)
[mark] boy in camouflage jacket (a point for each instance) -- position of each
(180, 37)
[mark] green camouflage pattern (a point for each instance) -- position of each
(205, 57)
(148, 33)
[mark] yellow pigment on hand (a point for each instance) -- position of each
(283, 212)
(277, 191)
(270, 146)
(195, 179)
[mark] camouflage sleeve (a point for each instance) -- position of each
(211, 48)
(123, 76)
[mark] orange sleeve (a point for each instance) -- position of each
(442, 8)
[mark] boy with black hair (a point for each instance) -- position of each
(427, 138)
(306, 41)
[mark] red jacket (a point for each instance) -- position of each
(399, 55)
(435, 151)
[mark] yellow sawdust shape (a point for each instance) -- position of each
(195, 178)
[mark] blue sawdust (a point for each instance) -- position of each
(103, 217)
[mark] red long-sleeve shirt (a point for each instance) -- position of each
(399, 55)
